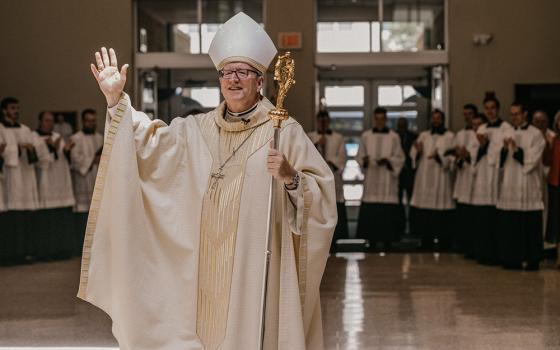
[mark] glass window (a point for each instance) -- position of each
(408, 25)
(413, 25)
(208, 97)
(396, 95)
(347, 10)
(187, 38)
(208, 31)
(352, 149)
(157, 20)
(347, 121)
(402, 36)
(344, 96)
(219, 11)
(174, 25)
(375, 36)
(411, 116)
(343, 37)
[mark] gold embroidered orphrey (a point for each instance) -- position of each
(220, 214)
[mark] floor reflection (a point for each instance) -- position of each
(425, 301)
(391, 302)
(353, 312)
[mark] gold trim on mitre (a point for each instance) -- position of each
(249, 61)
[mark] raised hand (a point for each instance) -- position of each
(111, 81)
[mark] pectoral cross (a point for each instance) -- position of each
(216, 177)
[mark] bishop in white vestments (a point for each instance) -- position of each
(432, 197)
(174, 249)
(520, 202)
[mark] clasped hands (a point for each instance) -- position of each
(509, 142)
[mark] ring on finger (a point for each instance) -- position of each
(100, 68)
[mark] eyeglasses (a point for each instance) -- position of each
(239, 73)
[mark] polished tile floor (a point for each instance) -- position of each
(393, 302)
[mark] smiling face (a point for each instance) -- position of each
(241, 94)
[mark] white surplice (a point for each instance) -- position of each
(53, 174)
(83, 169)
(464, 175)
(381, 185)
(334, 152)
(20, 183)
(520, 187)
(486, 180)
(155, 211)
(433, 187)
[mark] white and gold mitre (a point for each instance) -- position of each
(241, 39)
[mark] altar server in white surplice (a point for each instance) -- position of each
(486, 181)
(55, 239)
(174, 250)
(20, 185)
(381, 158)
(331, 146)
(466, 146)
(432, 197)
(520, 202)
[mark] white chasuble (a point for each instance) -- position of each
(433, 188)
(335, 153)
(381, 182)
(174, 248)
(20, 182)
(83, 168)
(53, 173)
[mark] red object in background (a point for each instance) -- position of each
(289, 40)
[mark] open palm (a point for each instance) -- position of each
(111, 81)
